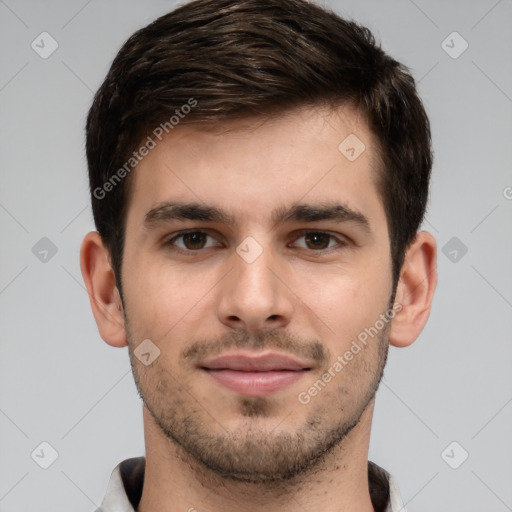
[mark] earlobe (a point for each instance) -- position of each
(104, 296)
(415, 290)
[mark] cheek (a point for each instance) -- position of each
(148, 298)
(349, 303)
(162, 299)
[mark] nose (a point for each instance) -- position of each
(255, 296)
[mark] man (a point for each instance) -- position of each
(259, 171)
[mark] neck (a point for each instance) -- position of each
(173, 481)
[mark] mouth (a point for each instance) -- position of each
(255, 374)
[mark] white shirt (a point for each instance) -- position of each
(124, 489)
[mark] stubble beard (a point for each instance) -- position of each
(254, 455)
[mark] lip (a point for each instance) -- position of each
(253, 374)
(256, 362)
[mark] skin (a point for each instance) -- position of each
(207, 446)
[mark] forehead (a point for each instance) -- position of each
(252, 166)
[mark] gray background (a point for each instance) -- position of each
(60, 383)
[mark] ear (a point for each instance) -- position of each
(104, 296)
(415, 290)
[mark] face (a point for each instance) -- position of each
(257, 263)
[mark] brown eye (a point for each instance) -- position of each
(194, 240)
(191, 241)
(317, 240)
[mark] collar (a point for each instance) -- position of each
(124, 489)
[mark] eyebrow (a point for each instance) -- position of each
(168, 211)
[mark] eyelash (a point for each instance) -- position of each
(341, 241)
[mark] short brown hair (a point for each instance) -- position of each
(236, 58)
